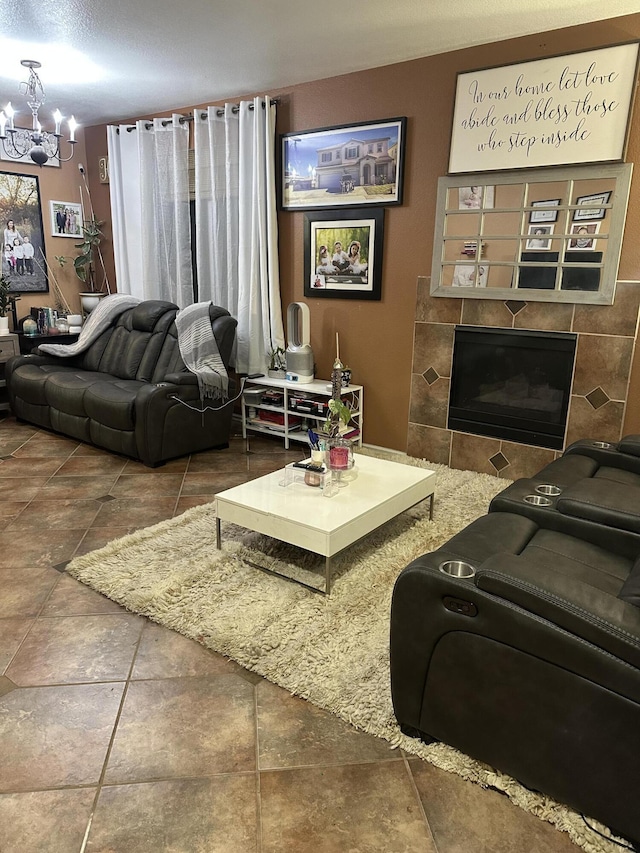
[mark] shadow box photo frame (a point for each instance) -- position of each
(349, 165)
(343, 254)
(589, 206)
(66, 219)
(26, 268)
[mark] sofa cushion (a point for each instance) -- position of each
(630, 591)
(604, 502)
(33, 378)
(619, 475)
(65, 390)
(112, 401)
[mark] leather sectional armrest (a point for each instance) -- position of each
(603, 620)
(185, 378)
(603, 502)
(630, 444)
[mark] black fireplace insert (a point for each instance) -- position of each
(513, 384)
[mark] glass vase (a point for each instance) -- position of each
(339, 458)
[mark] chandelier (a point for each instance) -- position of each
(41, 145)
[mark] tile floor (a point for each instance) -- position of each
(120, 736)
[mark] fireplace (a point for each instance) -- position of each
(513, 384)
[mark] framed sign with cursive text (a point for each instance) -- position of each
(558, 110)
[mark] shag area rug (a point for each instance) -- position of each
(332, 651)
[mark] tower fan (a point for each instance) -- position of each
(299, 355)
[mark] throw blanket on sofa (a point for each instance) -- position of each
(199, 350)
(99, 320)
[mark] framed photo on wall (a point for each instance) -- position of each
(347, 166)
(343, 254)
(546, 213)
(583, 236)
(66, 219)
(23, 255)
(589, 203)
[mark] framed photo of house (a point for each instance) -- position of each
(544, 210)
(343, 254)
(23, 139)
(347, 166)
(66, 219)
(589, 203)
(23, 256)
(583, 236)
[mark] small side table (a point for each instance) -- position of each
(8, 347)
(29, 342)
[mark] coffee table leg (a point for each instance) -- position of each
(431, 507)
(218, 537)
(327, 575)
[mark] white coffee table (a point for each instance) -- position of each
(378, 491)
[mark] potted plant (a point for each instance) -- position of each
(6, 302)
(83, 263)
(277, 363)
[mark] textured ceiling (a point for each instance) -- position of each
(118, 59)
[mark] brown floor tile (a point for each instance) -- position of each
(77, 649)
(210, 483)
(76, 488)
(25, 468)
(188, 503)
(294, 733)
(98, 537)
(38, 446)
(136, 513)
(217, 463)
(158, 485)
(464, 817)
(8, 447)
(24, 591)
(12, 633)
(100, 464)
(163, 653)
(34, 548)
(266, 463)
(51, 821)
(55, 736)
(48, 514)
(10, 429)
(217, 814)
(72, 598)
(26, 490)
(173, 466)
(366, 807)
(12, 509)
(90, 450)
(184, 727)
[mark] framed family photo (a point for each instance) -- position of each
(346, 166)
(583, 236)
(343, 254)
(66, 219)
(23, 256)
(540, 237)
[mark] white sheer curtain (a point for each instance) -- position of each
(149, 183)
(236, 224)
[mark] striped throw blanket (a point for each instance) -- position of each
(199, 351)
(99, 321)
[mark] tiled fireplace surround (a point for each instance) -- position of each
(606, 341)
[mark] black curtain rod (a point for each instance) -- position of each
(203, 115)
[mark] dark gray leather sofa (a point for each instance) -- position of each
(127, 391)
(532, 662)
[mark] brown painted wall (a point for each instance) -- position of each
(376, 338)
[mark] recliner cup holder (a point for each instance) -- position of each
(548, 489)
(537, 500)
(457, 569)
(602, 444)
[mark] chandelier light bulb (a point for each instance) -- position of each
(38, 144)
